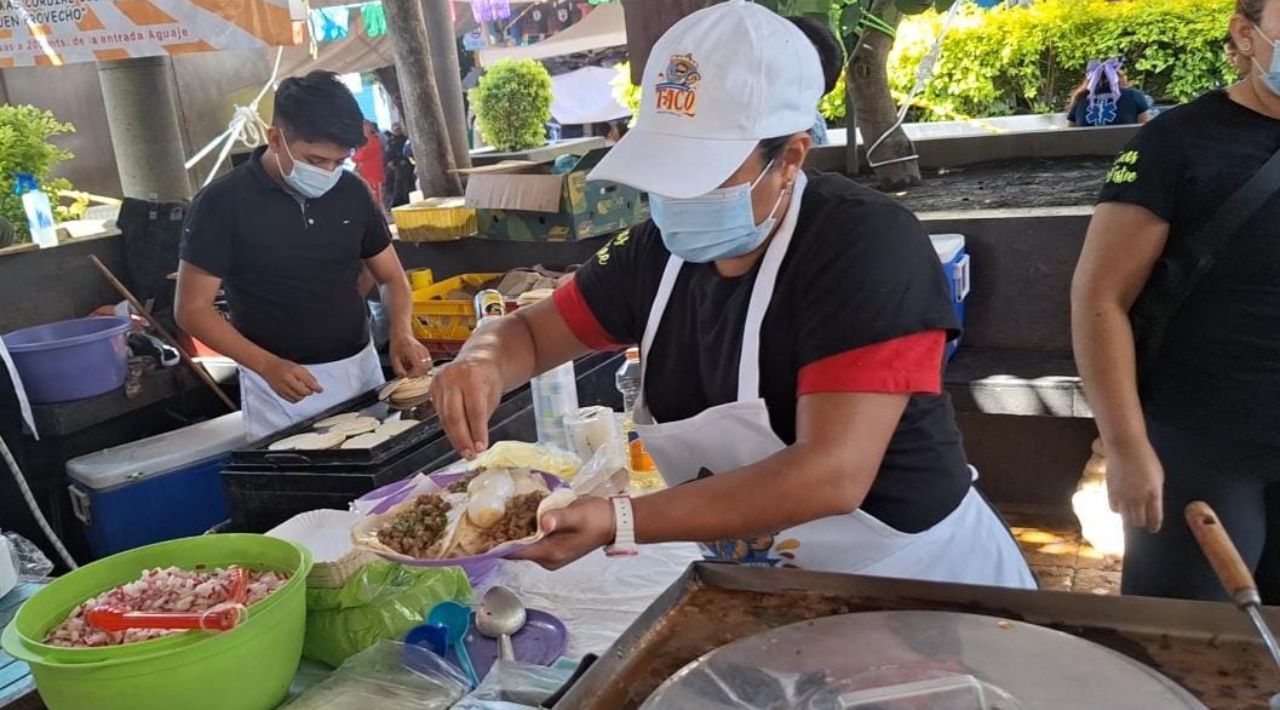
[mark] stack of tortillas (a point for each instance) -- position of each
(348, 431)
(407, 390)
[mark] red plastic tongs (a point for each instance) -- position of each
(108, 618)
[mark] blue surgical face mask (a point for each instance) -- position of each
(1270, 76)
(308, 180)
(718, 225)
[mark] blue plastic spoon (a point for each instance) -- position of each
(456, 620)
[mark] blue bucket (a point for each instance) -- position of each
(71, 359)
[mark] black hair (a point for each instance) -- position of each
(830, 53)
(1251, 9)
(771, 148)
(318, 108)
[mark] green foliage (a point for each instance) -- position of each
(624, 91)
(1031, 59)
(25, 148)
(512, 102)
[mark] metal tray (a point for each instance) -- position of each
(1210, 649)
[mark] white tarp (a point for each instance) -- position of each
(585, 96)
(605, 27)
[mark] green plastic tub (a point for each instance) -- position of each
(248, 668)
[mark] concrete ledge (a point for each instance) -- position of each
(1017, 383)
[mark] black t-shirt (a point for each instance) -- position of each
(1219, 367)
(1125, 111)
(860, 271)
(289, 265)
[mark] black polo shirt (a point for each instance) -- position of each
(289, 265)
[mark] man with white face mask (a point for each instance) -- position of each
(289, 234)
(791, 327)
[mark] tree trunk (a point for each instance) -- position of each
(868, 84)
(647, 20)
(444, 60)
(424, 117)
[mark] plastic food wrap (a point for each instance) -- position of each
(606, 474)
(516, 686)
(520, 454)
(381, 601)
(31, 562)
(387, 676)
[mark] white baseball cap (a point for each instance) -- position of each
(717, 83)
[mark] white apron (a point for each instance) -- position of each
(266, 413)
(971, 545)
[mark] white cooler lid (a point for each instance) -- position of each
(159, 454)
(947, 246)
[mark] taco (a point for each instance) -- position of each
(421, 527)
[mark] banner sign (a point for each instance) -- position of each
(55, 32)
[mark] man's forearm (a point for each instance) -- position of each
(1105, 354)
(508, 343)
(213, 330)
(792, 487)
(399, 302)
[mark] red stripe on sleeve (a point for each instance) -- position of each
(911, 364)
(582, 321)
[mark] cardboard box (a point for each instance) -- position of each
(522, 201)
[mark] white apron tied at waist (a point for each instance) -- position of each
(265, 412)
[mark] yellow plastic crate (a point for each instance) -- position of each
(440, 322)
(436, 219)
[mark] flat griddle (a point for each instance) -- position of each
(1207, 648)
(258, 453)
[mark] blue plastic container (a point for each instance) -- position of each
(955, 266)
(156, 489)
(71, 359)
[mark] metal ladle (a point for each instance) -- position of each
(500, 615)
(1232, 572)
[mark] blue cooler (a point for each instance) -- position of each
(955, 265)
(155, 489)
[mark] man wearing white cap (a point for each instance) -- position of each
(792, 330)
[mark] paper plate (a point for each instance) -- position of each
(327, 533)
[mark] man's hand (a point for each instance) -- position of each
(466, 392)
(1135, 485)
(572, 533)
(291, 381)
(409, 358)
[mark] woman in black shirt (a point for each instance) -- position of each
(1207, 424)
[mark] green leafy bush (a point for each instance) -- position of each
(1030, 59)
(624, 92)
(512, 102)
(25, 148)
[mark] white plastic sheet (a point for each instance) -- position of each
(597, 597)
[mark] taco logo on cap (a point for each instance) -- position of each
(678, 86)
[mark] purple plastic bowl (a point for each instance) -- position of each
(71, 359)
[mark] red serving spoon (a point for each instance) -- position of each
(109, 618)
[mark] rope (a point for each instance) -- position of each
(246, 127)
(924, 72)
(30, 499)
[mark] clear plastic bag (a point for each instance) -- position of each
(516, 686)
(382, 601)
(387, 676)
(606, 474)
(31, 562)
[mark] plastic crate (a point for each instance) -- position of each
(444, 324)
(437, 219)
